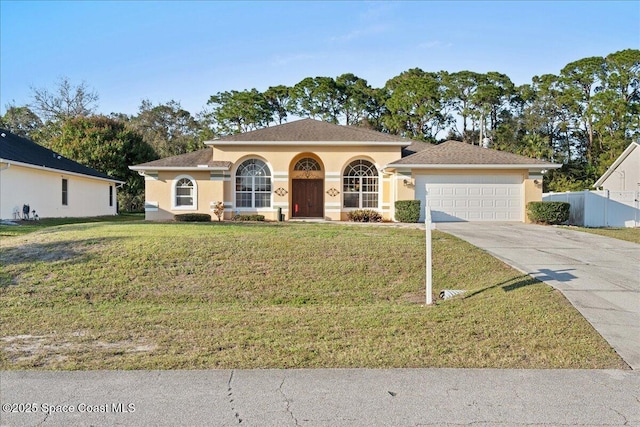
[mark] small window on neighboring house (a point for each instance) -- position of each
(65, 192)
(111, 195)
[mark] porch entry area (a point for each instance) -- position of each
(307, 188)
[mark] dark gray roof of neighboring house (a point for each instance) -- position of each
(313, 130)
(17, 149)
(461, 153)
(188, 160)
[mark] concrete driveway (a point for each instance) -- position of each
(600, 276)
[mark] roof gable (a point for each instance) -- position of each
(461, 153)
(312, 130)
(14, 148)
(616, 164)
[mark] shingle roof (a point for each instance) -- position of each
(415, 147)
(17, 149)
(313, 130)
(188, 160)
(461, 153)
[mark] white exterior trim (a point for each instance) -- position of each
(178, 168)
(311, 143)
(467, 166)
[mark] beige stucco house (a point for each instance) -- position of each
(50, 184)
(314, 169)
(624, 173)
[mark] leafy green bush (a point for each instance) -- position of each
(408, 210)
(192, 217)
(252, 217)
(548, 212)
(364, 215)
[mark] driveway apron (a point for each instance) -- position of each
(600, 276)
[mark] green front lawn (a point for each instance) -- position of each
(279, 295)
(628, 234)
(25, 227)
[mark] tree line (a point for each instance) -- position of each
(583, 117)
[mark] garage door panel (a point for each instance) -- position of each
(474, 216)
(472, 197)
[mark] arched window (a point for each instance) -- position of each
(360, 185)
(307, 164)
(185, 194)
(253, 184)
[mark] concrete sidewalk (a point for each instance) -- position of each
(322, 397)
(600, 276)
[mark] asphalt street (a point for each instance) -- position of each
(322, 397)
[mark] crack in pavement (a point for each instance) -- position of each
(236, 414)
(624, 417)
(288, 403)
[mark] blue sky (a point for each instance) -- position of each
(187, 51)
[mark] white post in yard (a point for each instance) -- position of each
(427, 226)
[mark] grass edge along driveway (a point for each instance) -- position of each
(202, 296)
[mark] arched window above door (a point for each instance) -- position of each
(307, 164)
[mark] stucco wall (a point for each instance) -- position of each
(215, 186)
(159, 196)
(333, 159)
(42, 191)
(532, 191)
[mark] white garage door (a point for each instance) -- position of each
(471, 197)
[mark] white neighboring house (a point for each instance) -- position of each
(51, 185)
(624, 173)
(616, 204)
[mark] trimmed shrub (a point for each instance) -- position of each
(192, 217)
(548, 212)
(364, 215)
(252, 217)
(407, 210)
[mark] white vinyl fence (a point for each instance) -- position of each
(600, 208)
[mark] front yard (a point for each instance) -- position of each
(195, 296)
(628, 234)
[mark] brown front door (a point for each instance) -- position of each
(307, 198)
